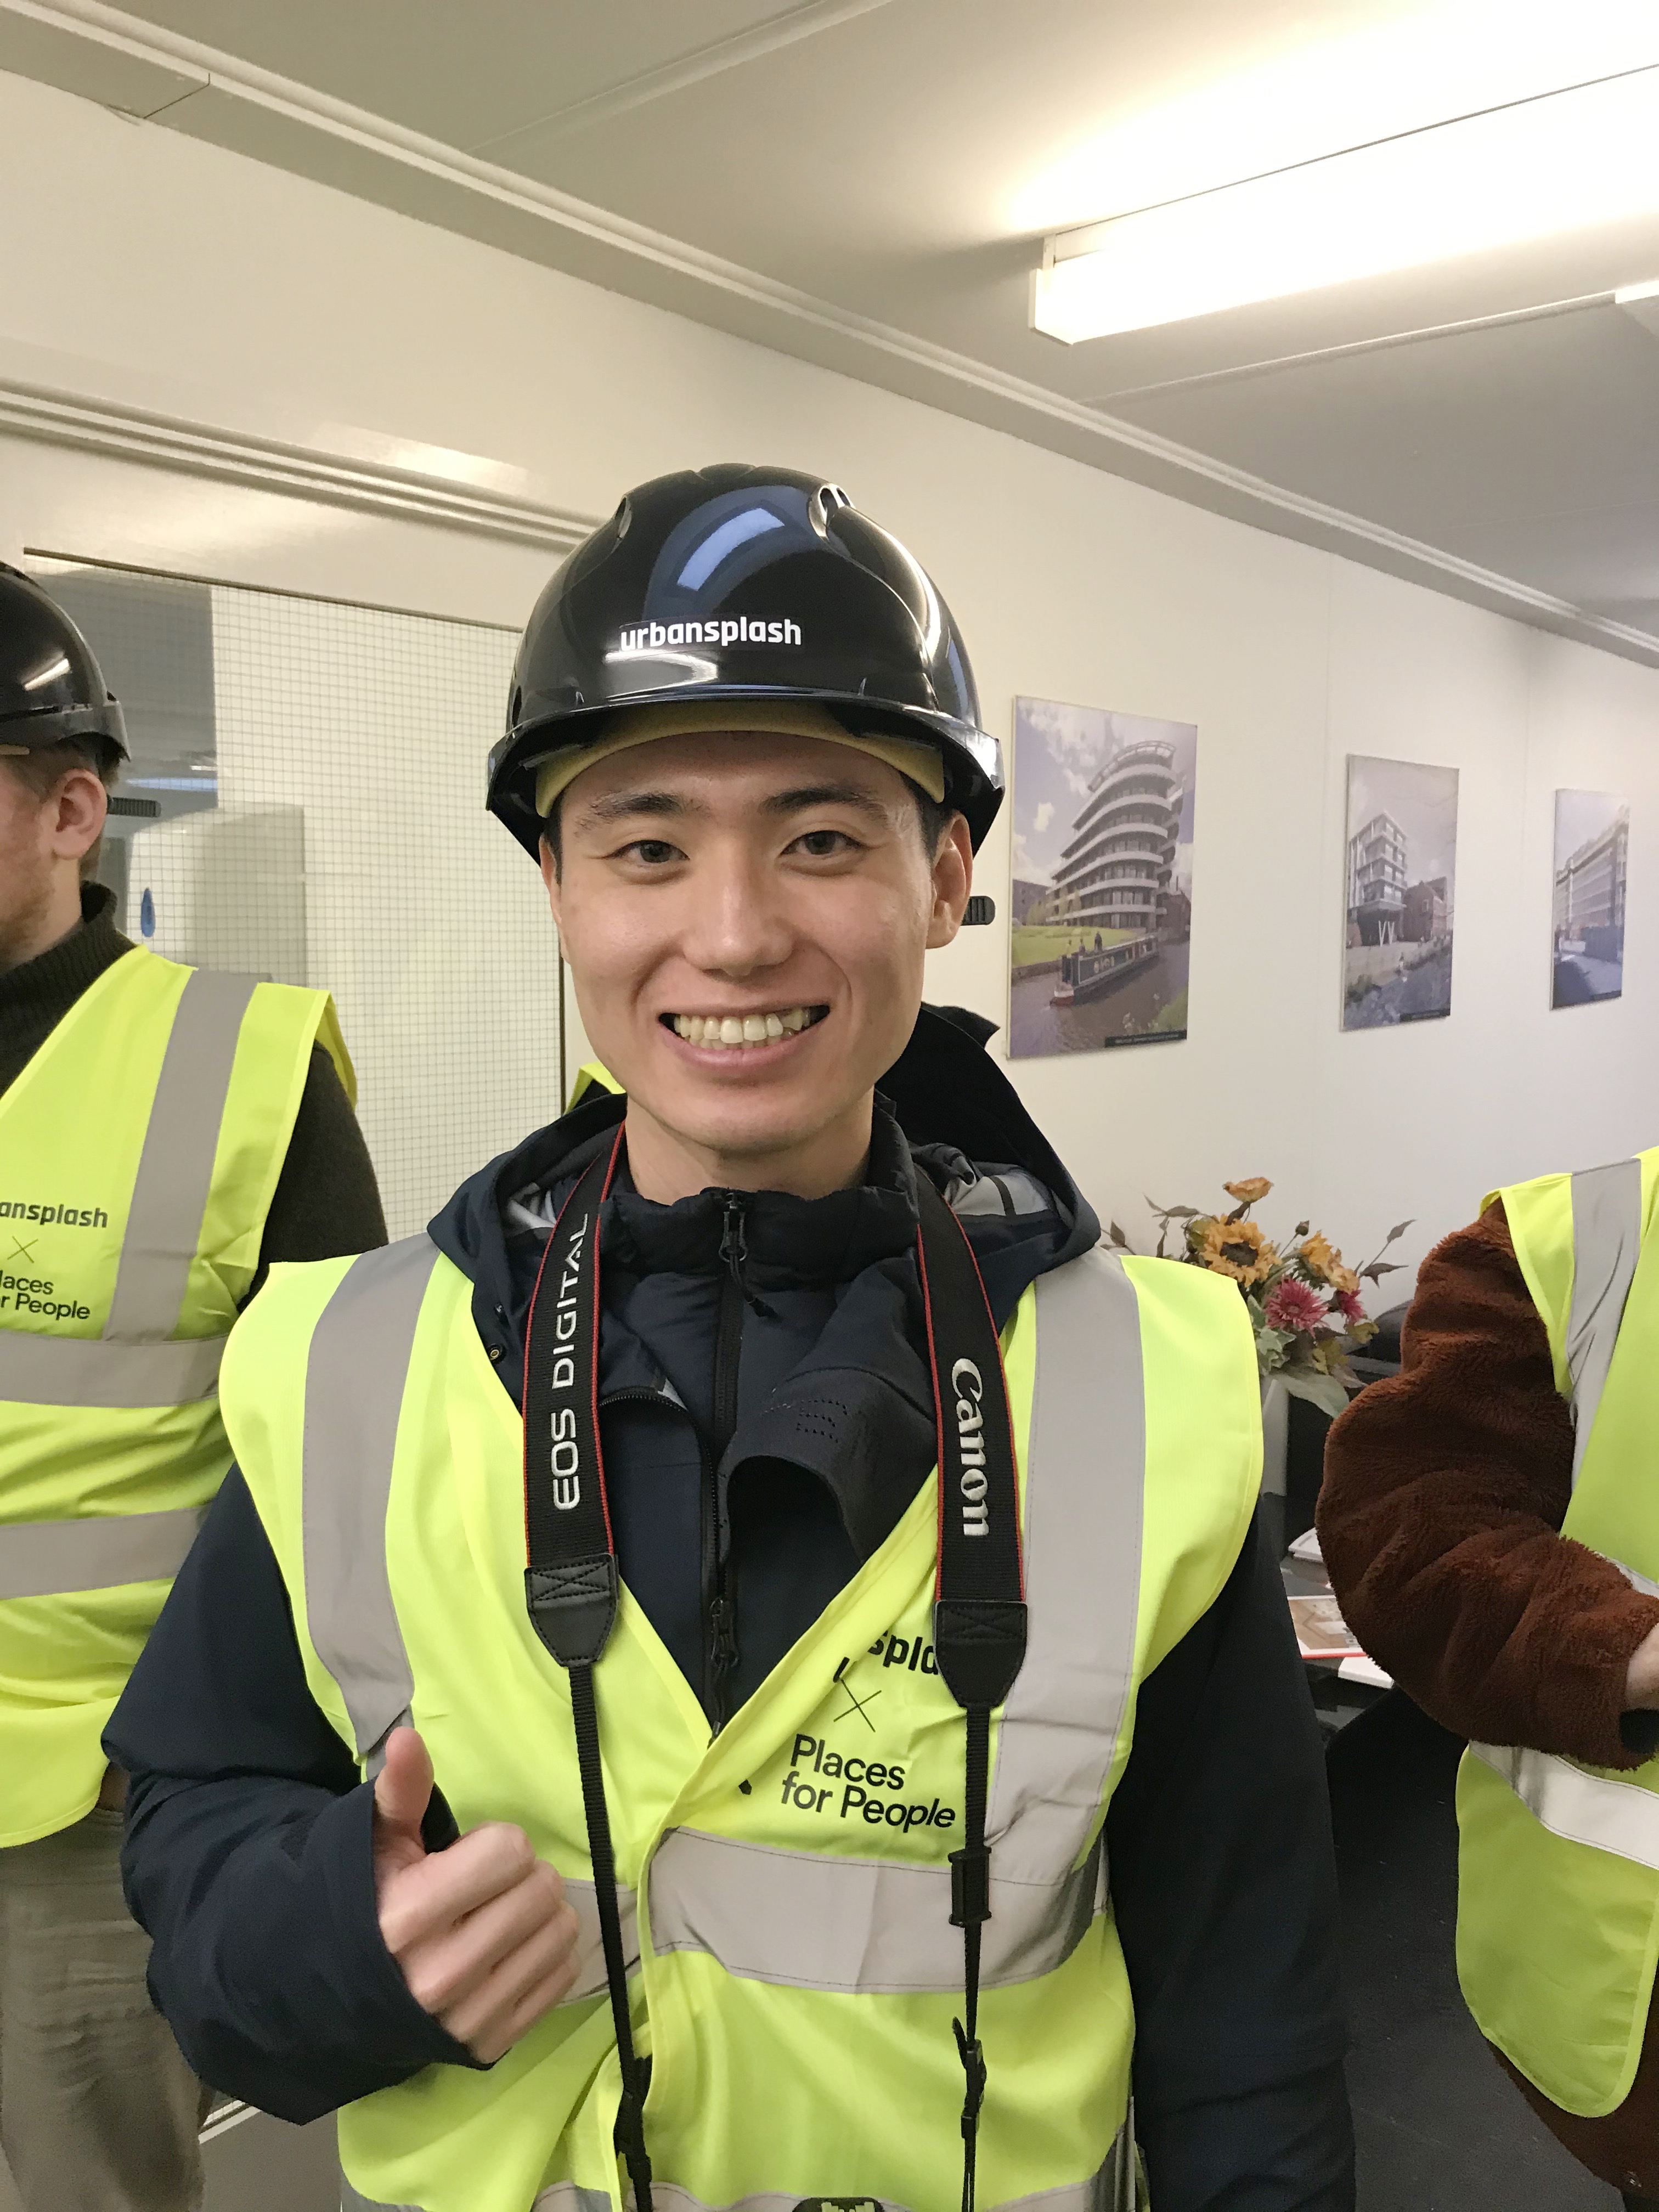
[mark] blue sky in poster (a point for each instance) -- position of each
(1058, 751)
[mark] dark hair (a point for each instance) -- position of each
(41, 771)
(934, 816)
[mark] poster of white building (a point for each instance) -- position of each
(1587, 911)
(1402, 892)
(1103, 879)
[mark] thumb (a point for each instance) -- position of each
(403, 1788)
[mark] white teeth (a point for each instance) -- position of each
(740, 1030)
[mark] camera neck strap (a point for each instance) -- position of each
(571, 1581)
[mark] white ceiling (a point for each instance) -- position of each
(867, 182)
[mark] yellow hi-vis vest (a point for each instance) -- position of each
(786, 1890)
(139, 1152)
(1557, 1914)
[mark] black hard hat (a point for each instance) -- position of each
(741, 583)
(50, 685)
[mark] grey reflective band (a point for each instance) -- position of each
(813, 1920)
(51, 1559)
(1111, 2189)
(137, 1362)
(1593, 1809)
(175, 1169)
(1086, 1474)
(356, 1374)
(590, 1955)
(91, 1371)
(1606, 1242)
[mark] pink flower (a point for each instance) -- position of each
(1292, 1305)
(1346, 1302)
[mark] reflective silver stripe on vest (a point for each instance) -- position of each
(815, 1922)
(1584, 1809)
(1606, 1242)
(91, 1371)
(1088, 1460)
(50, 1559)
(356, 1374)
(1111, 2189)
(175, 1169)
(133, 1363)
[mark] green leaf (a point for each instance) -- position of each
(1321, 1390)
(1174, 1213)
(1394, 1234)
(1117, 1237)
(1378, 1268)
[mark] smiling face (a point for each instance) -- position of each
(745, 917)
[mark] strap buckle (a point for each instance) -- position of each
(973, 2065)
(970, 1885)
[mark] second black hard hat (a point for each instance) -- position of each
(51, 687)
(742, 584)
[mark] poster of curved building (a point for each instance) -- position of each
(1402, 892)
(1103, 879)
(1587, 911)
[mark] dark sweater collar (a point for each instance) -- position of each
(34, 998)
(791, 1242)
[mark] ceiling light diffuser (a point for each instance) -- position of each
(1557, 163)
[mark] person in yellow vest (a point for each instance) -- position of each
(735, 1670)
(1488, 1521)
(166, 1134)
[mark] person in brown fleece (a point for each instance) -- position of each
(1440, 1515)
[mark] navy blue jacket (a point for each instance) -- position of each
(247, 1853)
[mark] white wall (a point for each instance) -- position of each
(174, 275)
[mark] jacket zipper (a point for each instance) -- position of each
(720, 1606)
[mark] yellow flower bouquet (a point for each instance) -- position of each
(1303, 1298)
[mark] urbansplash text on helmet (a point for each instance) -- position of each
(729, 629)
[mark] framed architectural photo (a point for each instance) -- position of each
(1587, 911)
(1401, 886)
(1103, 879)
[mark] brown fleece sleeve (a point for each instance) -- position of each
(1440, 1515)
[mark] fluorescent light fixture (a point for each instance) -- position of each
(1627, 295)
(1558, 164)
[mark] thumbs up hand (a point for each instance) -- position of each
(482, 1931)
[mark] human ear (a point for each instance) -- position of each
(550, 878)
(953, 879)
(79, 809)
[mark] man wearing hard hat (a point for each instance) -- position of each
(750, 1681)
(164, 1135)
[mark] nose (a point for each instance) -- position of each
(739, 924)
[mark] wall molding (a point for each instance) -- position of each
(53, 417)
(607, 249)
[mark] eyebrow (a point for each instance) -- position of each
(824, 794)
(616, 806)
(620, 806)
